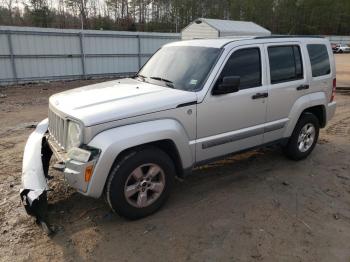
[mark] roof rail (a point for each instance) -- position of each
(288, 36)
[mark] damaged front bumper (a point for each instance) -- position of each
(34, 175)
(77, 166)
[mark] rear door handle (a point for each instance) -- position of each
(260, 95)
(303, 87)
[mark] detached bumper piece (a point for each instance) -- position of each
(36, 158)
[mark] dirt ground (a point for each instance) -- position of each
(343, 69)
(256, 206)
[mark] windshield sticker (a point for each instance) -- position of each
(193, 82)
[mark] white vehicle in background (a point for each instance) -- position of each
(192, 102)
(342, 49)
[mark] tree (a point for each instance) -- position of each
(79, 7)
(38, 13)
(280, 16)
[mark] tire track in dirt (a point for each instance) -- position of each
(339, 128)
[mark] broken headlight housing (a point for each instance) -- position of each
(74, 135)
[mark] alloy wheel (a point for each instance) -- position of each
(306, 137)
(144, 185)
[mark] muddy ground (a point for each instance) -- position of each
(256, 206)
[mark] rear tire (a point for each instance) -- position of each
(140, 183)
(304, 137)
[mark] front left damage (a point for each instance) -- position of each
(36, 158)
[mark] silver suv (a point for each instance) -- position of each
(192, 102)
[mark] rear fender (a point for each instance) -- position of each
(299, 106)
(304, 102)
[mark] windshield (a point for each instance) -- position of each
(180, 67)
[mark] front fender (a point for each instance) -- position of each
(113, 141)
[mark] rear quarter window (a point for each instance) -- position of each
(319, 59)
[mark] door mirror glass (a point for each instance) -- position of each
(229, 84)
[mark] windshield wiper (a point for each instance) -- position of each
(167, 82)
(142, 77)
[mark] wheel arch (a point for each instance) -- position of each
(319, 111)
(166, 145)
(165, 134)
(312, 103)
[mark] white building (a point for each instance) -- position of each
(215, 28)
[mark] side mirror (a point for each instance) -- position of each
(229, 84)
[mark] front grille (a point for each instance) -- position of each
(57, 128)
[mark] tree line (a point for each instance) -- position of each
(327, 17)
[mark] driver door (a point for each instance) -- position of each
(235, 121)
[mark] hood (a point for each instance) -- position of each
(118, 99)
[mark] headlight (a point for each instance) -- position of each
(74, 135)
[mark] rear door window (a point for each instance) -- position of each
(319, 60)
(285, 63)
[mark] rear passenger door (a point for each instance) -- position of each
(287, 82)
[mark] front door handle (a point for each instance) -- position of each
(303, 87)
(260, 95)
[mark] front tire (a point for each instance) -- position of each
(304, 137)
(140, 183)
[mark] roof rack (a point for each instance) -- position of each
(288, 36)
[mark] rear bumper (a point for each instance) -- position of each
(331, 107)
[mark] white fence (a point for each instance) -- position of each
(34, 54)
(339, 39)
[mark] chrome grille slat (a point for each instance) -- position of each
(61, 131)
(53, 125)
(57, 128)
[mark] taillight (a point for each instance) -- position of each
(333, 89)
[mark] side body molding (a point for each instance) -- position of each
(112, 142)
